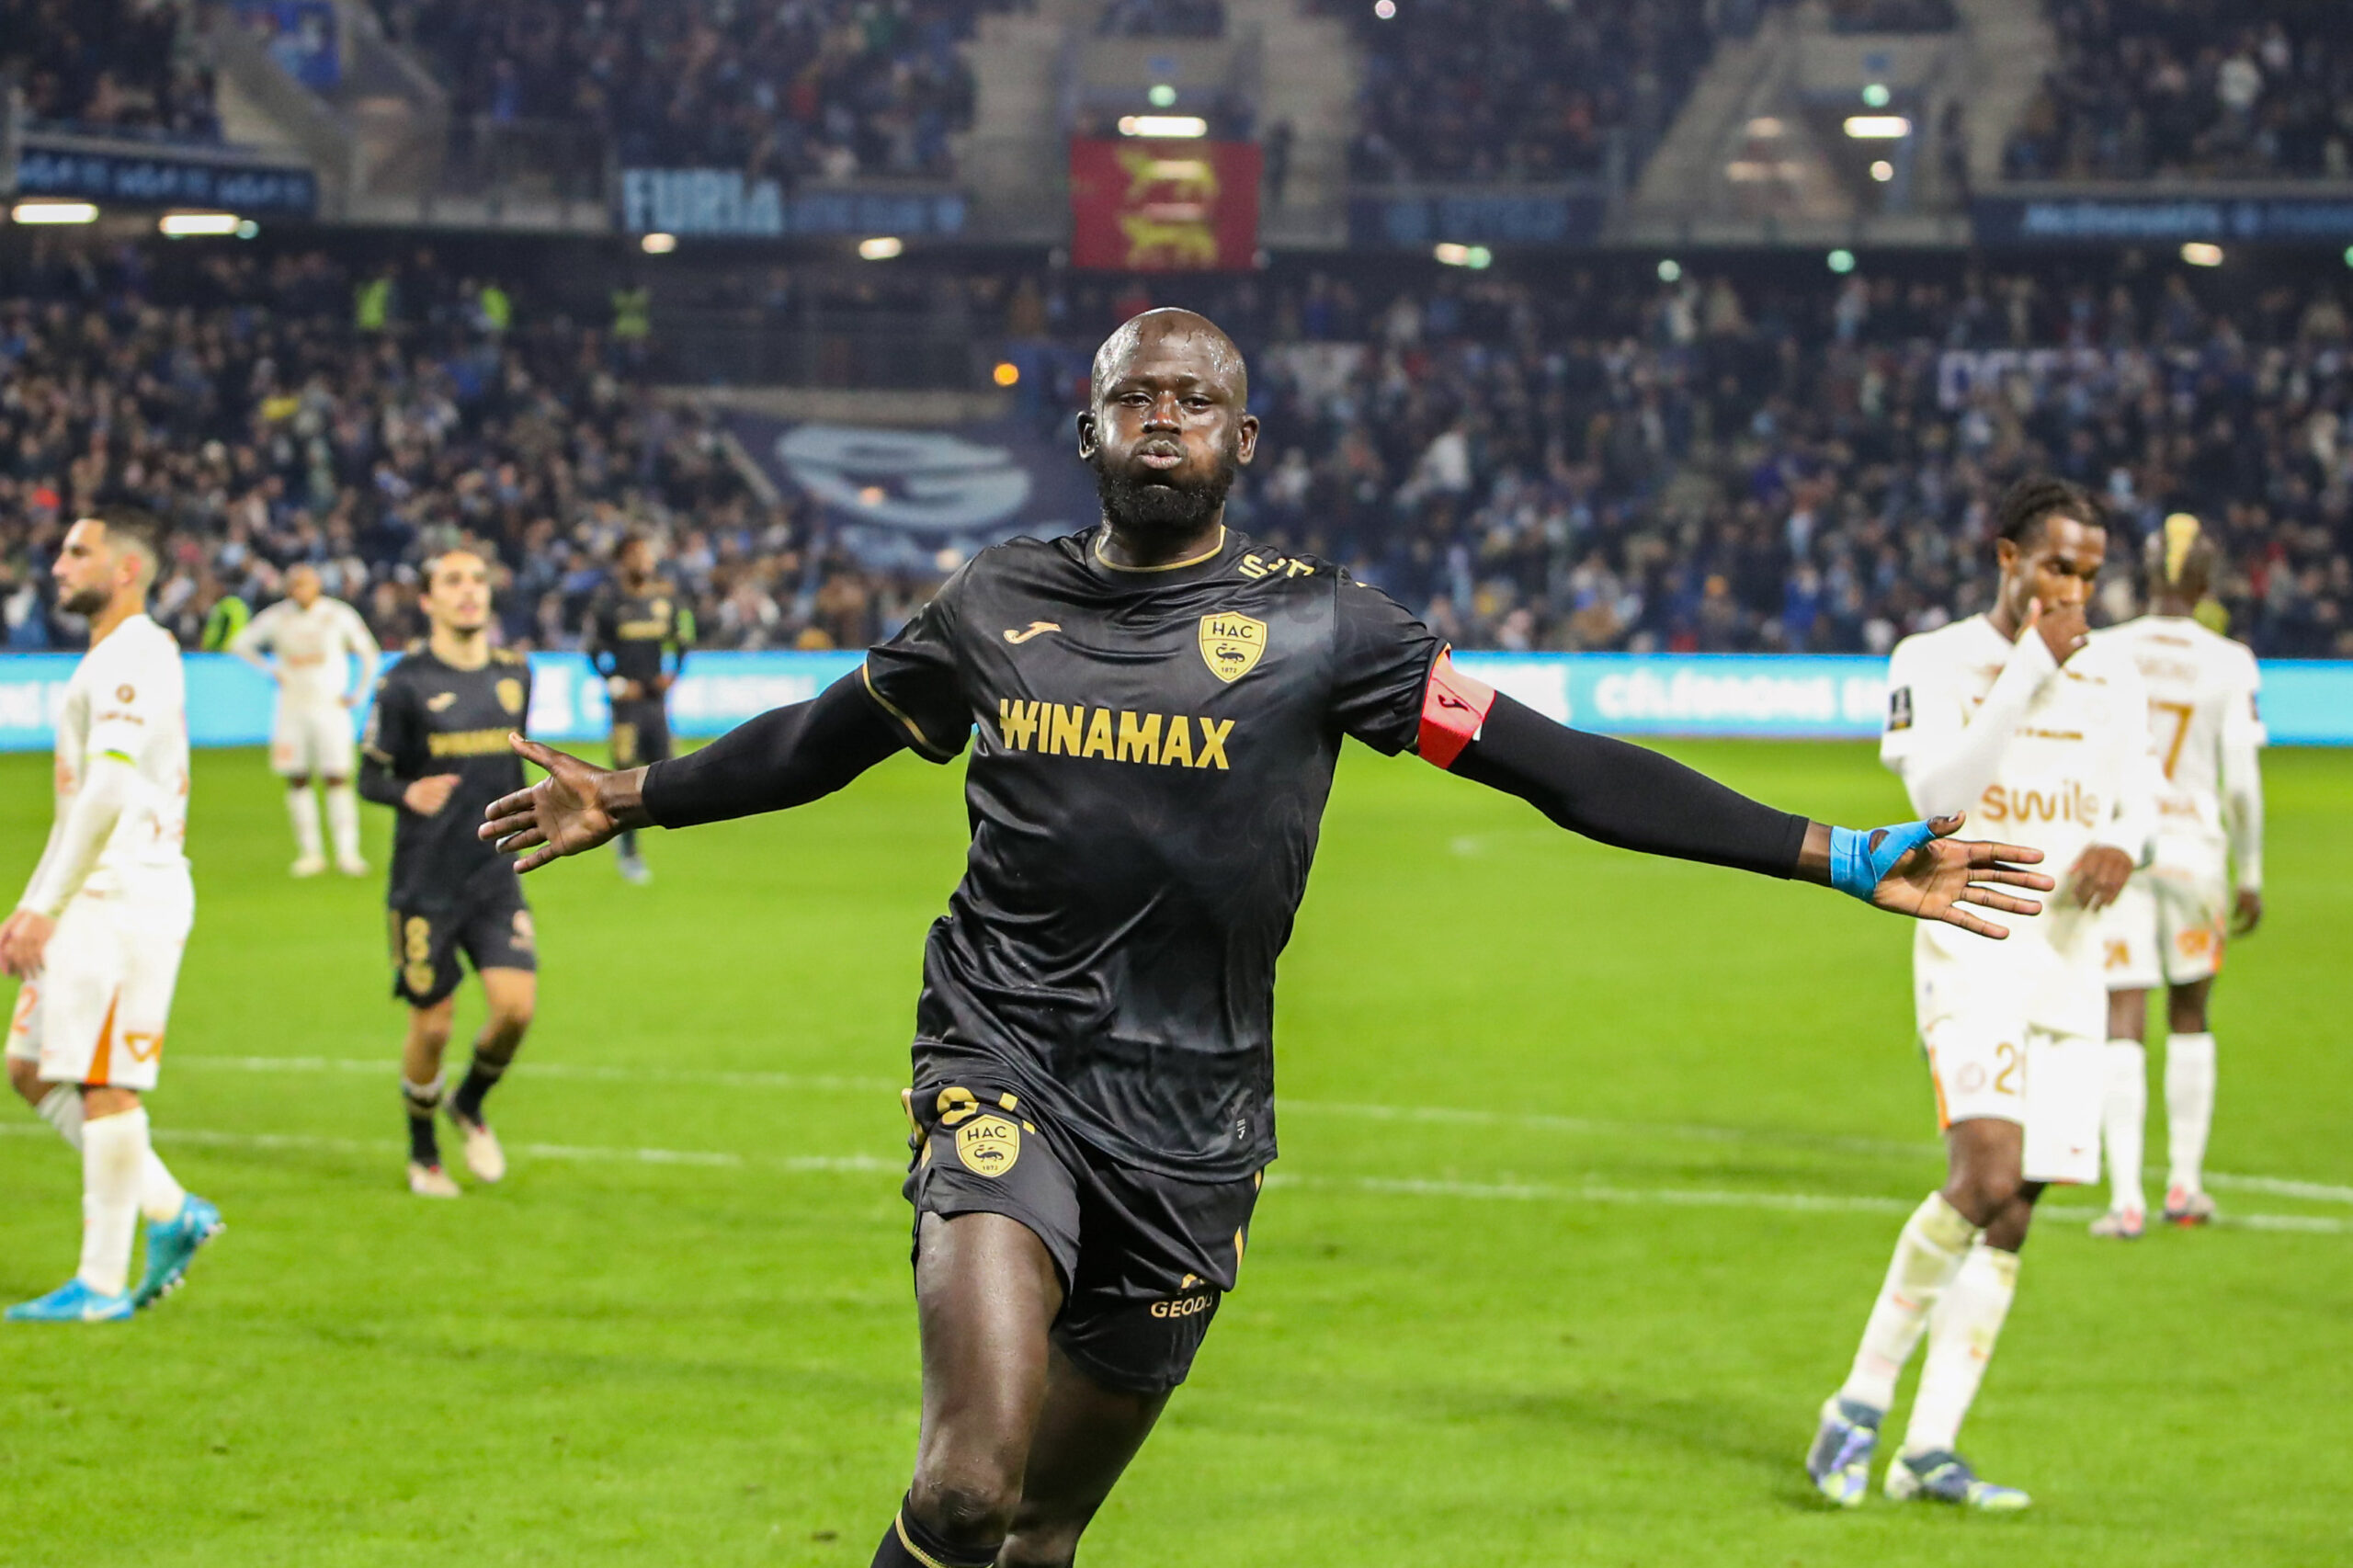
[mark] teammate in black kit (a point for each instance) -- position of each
(437, 752)
(1158, 703)
(632, 625)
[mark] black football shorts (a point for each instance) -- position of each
(493, 931)
(1145, 1259)
(641, 733)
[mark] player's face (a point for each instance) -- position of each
(457, 598)
(636, 560)
(2056, 567)
(302, 586)
(1169, 431)
(87, 569)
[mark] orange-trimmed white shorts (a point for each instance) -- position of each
(1991, 1065)
(312, 740)
(2168, 924)
(96, 1012)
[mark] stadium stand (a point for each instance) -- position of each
(1589, 461)
(2220, 89)
(113, 66)
(817, 89)
(1163, 19)
(1518, 89)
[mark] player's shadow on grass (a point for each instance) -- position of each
(1765, 1442)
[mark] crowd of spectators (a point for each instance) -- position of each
(1590, 461)
(111, 66)
(1163, 19)
(2229, 89)
(828, 89)
(251, 413)
(1516, 89)
(1721, 466)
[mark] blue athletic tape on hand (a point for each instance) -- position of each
(1856, 867)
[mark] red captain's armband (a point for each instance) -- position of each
(1453, 707)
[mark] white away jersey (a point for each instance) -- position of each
(313, 648)
(2202, 713)
(127, 698)
(2039, 753)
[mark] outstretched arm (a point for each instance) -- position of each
(1624, 795)
(785, 757)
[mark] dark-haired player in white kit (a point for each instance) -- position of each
(1158, 704)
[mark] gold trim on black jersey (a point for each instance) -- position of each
(924, 743)
(1211, 554)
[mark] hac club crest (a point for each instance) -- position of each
(989, 1145)
(1231, 644)
(510, 695)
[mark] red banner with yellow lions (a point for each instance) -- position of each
(1141, 206)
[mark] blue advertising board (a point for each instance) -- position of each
(723, 203)
(1414, 220)
(2060, 218)
(175, 176)
(2305, 702)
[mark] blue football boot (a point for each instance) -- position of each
(1945, 1477)
(73, 1302)
(1840, 1460)
(172, 1245)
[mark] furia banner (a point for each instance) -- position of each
(2305, 702)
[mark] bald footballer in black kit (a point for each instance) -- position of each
(1155, 707)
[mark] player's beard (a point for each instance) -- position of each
(84, 601)
(1159, 508)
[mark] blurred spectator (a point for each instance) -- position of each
(797, 89)
(1163, 19)
(1516, 89)
(2226, 89)
(109, 66)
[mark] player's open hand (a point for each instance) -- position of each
(427, 796)
(24, 943)
(568, 813)
(2098, 874)
(1937, 880)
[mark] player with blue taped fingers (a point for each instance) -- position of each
(1860, 862)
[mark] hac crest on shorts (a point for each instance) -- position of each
(510, 695)
(1231, 644)
(988, 1145)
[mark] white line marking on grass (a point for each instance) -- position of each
(1695, 1132)
(1477, 1192)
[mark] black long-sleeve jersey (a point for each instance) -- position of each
(1154, 752)
(432, 718)
(628, 634)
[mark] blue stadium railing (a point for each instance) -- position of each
(2305, 702)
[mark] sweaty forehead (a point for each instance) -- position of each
(2073, 539)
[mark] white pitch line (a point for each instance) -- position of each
(1509, 1192)
(1535, 1122)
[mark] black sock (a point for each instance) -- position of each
(628, 842)
(906, 1544)
(480, 1079)
(421, 1100)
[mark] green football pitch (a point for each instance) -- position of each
(1590, 1167)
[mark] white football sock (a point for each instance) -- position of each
(343, 821)
(2189, 1107)
(1961, 1335)
(303, 808)
(2124, 1110)
(160, 1195)
(1928, 1255)
(114, 1150)
(61, 1108)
